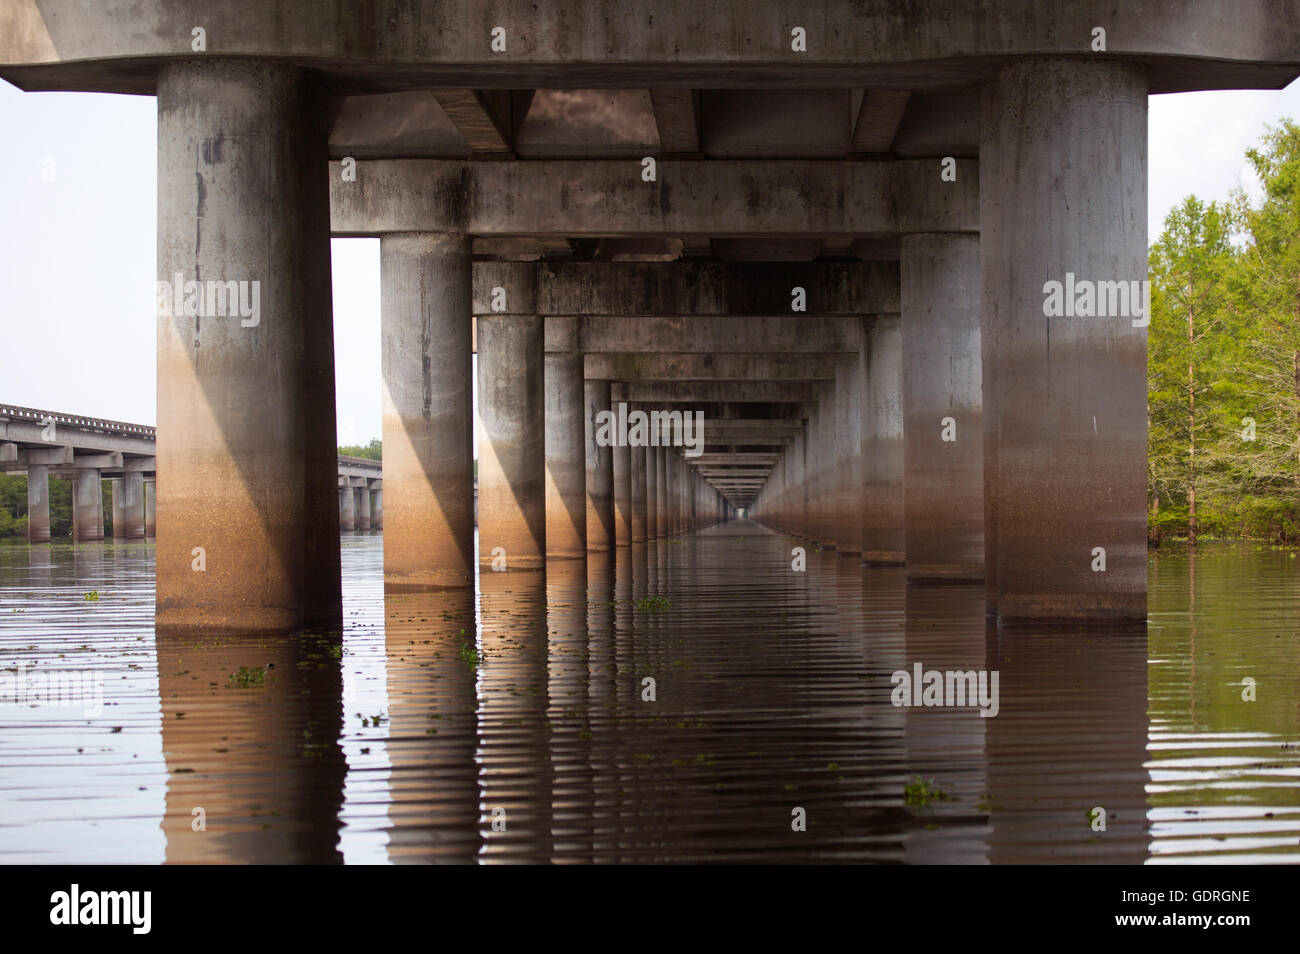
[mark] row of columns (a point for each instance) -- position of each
(133, 504)
(889, 466)
(1057, 436)
(994, 442)
(361, 504)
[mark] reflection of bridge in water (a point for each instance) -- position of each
(90, 450)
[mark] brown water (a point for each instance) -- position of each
(772, 693)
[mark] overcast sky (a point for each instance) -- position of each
(77, 254)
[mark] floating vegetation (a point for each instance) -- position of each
(469, 653)
(921, 791)
(92, 596)
(246, 678)
(653, 603)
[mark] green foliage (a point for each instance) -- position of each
(1224, 358)
(372, 451)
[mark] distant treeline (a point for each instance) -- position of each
(1223, 370)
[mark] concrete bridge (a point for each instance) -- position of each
(88, 450)
(829, 227)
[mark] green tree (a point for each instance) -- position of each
(1190, 265)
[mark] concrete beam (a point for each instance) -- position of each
(677, 114)
(469, 111)
(721, 392)
(653, 366)
(600, 198)
(878, 118)
(782, 335)
(708, 288)
(384, 45)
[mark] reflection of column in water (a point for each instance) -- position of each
(944, 631)
(250, 733)
(567, 709)
(513, 752)
(1071, 736)
(432, 667)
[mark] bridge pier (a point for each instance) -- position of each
(566, 465)
(428, 467)
(38, 503)
(883, 528)
(128, 506)
(638, 481)
(1065, 398)
(512, 447)
(363, 505)
(246, 449)
(88, 505)
(621, 471)
(599, 477)
(347, 506)
(150, 508)
(943, 457)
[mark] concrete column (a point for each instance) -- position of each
(116, 496)
(88, 505)
(566, 454)
(637, 481)
(662, 513)
(512, 446)
(1064, 201)
(426, 325)
(246, 451)
(651, 493)
(377, 508)
(132, 507)
(826, 478)
(150, 508)
(347, 507)
(363, 506)
(943, 458)
(883, 535)
(600, 469)
(38, 503)
(621, 465)
(848, 443)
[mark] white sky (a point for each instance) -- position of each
(78, 255)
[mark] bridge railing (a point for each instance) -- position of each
(36, 415)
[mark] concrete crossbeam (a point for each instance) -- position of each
(651, 366)
(601, 198)
(710, 288)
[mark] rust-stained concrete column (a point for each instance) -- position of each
(428, 466)
(363, 506)
(600, 468)
(150, 508)
(883, 536)
(1064, 200)
(848, 465)
(128, 506)
(651, 493)
(38, 503)
(662, 513)
(88, 505)
(637, 483)
(247, 452)
(347, 506)
(943, 457)
(377, 508)
(621, 465)
(116, 497)
(512, 400)
(566, 495)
